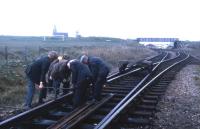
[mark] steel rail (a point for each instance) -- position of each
(70, 122)
(108, 119)
(32, 112)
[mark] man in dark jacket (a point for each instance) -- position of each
(99, 71)
(58, 70)
(81, 78)
(49, 80)
(60, 73)
(35, 73)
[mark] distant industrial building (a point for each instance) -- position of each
(78, 36)
(57, 35)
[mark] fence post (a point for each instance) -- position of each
(60, 51)
(6, 54)
(39, 52)
(25, 54)
(63, 51)
(6, 58)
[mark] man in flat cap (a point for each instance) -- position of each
(35, 73)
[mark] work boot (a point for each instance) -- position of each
(41, 101)
(26, 107)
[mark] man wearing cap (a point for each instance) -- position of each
(60, 73)
(99, 71)
(35, 73)
(81, 78)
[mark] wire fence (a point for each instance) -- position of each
(11, 55)
(22, 55)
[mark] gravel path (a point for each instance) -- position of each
(180, 107)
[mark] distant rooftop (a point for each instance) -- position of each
(55, 33)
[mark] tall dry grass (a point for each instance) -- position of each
(112, 55)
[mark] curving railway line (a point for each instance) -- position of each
(129, 100)
(138, 110)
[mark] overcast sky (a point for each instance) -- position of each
(112, 18)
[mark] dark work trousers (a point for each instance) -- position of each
(80, 93)
(43, 93)
(50, 85)
(97, 89)
(56, 86)
(30, 92)
(65, 85)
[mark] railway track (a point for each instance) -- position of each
(105, 112)
(59, 113)
(138, 110)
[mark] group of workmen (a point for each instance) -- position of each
(51, 71)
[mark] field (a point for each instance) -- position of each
(16, 53)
